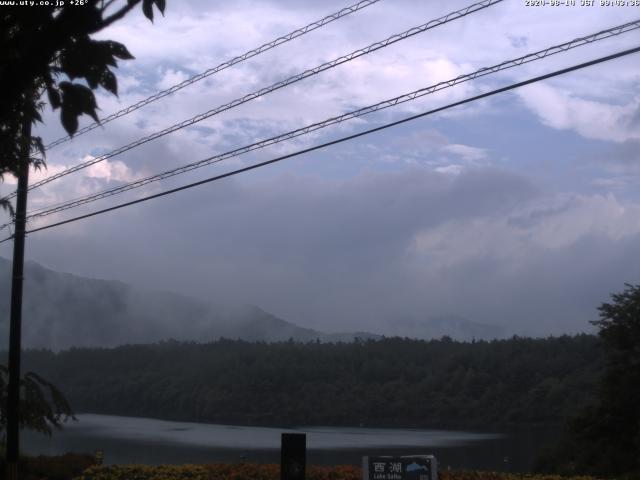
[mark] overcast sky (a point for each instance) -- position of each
(522, 210)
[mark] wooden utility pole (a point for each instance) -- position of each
(15, 326)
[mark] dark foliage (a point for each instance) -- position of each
(392, 382)
(604, 439)
(63, 467)
(42, 405)
(48, 49)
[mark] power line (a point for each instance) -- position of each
(341, 140)
(541, 54)
(276, 86)
(229, 63)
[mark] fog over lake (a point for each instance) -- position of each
(229, 436)
(144, 440)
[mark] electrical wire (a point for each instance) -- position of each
(229, 63)
(276, 86)
(340, 140)
(539, 55)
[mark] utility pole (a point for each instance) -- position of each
(15, 326)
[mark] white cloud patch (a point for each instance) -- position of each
(433, 148)
(109, 171)
(84, 182)
(171, 77)
(617, 182)
(465, 151)
(542, 223)
(563, 110)
(450, 169)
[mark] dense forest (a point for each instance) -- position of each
(389, 382)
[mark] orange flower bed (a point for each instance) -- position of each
(252, 471)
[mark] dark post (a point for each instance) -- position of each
(293, 456)
(13, 390)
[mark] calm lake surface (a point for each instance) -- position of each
(143, 440)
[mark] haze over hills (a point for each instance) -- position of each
(453, 326)
(62, 310)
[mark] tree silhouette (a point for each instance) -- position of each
(42, 406)
(604, 438)
(48, 49)
(614, 424)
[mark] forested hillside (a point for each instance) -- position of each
(391, 382)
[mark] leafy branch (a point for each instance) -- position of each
(42, 406)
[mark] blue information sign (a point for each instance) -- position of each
(415, 467)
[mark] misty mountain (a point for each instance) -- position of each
(456, 327)
(61, 310)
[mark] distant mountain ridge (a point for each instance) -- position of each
(453, 326)
(62, 310)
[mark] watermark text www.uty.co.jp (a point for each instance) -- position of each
(43, 3)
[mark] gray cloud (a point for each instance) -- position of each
(363, 252)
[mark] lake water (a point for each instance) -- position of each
(150, 441)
